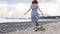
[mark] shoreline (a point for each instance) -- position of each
(24, 20)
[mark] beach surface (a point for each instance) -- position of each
(51, 27)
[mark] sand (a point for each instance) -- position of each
(51, 28)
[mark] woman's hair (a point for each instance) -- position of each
(35, 1)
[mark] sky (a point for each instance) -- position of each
(8, 8)
(25, 1)
(13, 1)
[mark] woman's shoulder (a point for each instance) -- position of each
(33, 5)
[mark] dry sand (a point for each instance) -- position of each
(51, 28)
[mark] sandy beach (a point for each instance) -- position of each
(51, 28)
(26, 28)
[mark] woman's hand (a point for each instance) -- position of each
(25, 13)
(42, 14)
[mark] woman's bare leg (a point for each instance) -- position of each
(37, 24)
(34, 25)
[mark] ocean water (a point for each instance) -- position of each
(24, 20)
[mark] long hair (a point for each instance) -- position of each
(35, 1)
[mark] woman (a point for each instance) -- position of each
(34, 13)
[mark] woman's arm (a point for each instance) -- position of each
(40, 10)
(28, 10)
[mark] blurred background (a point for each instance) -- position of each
(17, 8)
